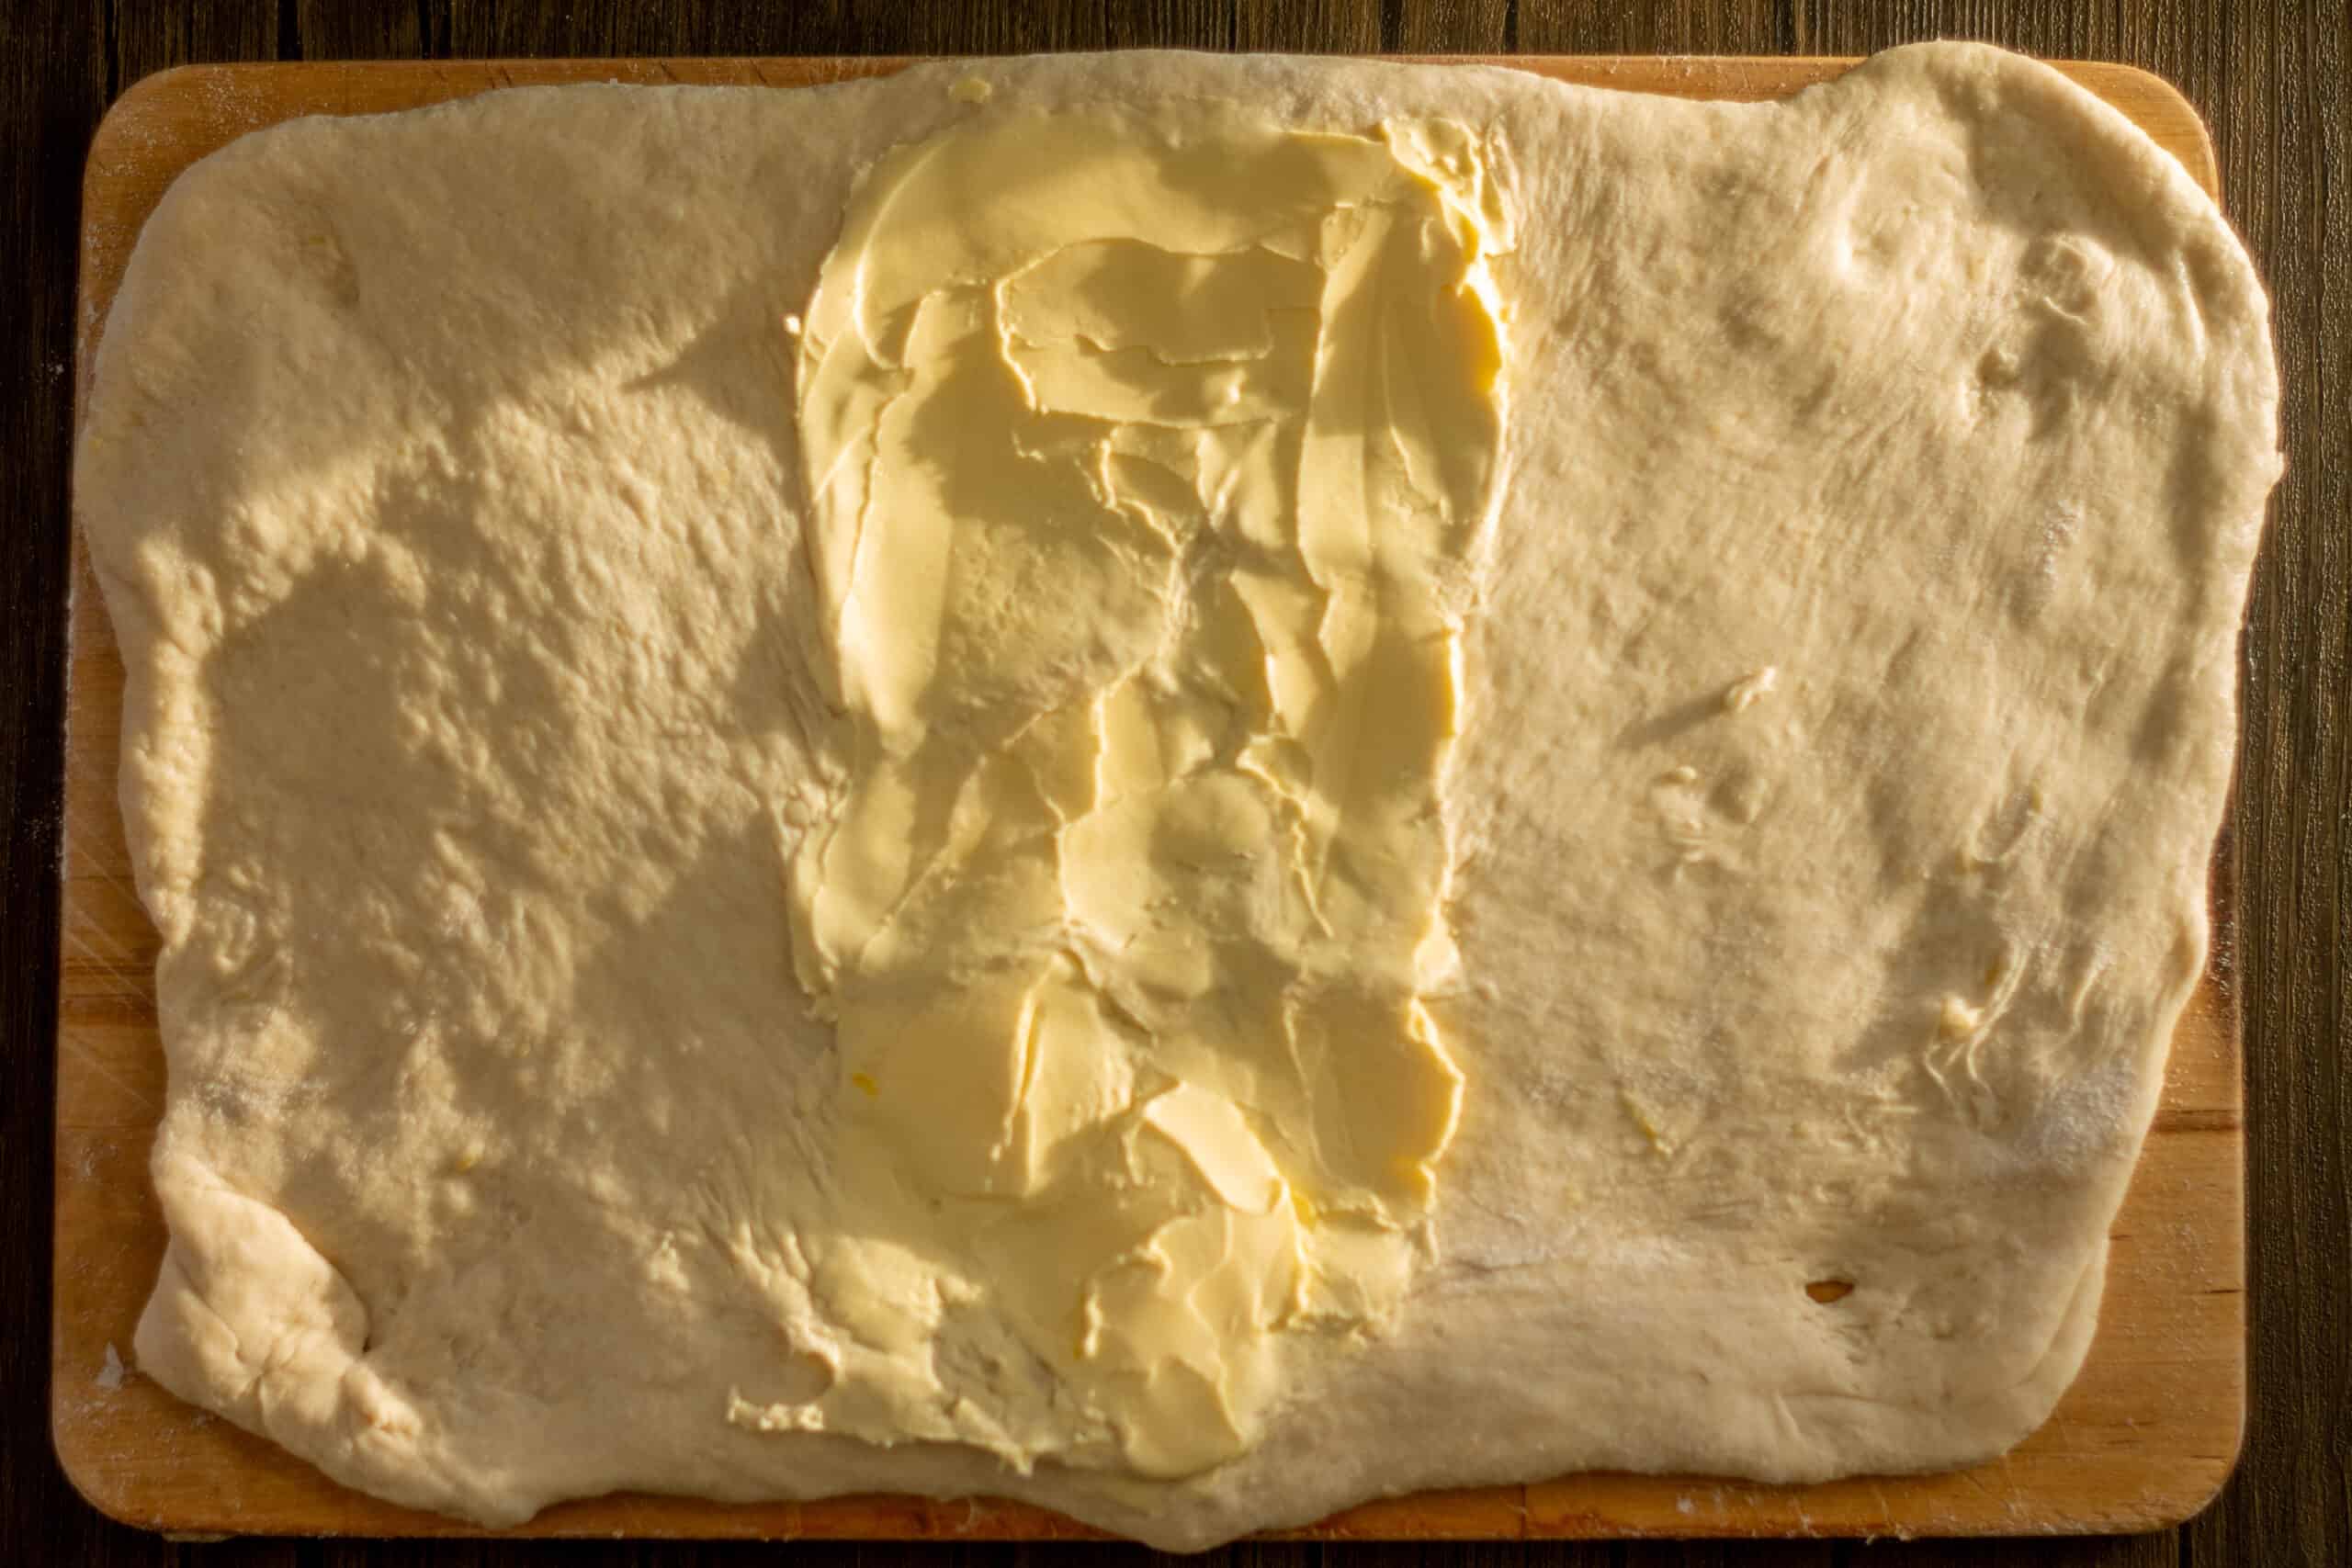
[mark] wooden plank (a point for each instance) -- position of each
(2144, 1438)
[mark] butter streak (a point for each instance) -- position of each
(1146, 458)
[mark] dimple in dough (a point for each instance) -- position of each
(1839, 720)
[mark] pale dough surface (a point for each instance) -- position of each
(1849, 718)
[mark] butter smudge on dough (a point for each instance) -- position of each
(1146, 457)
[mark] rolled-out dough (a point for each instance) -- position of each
(1847, 720)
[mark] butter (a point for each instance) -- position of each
(1146, 458)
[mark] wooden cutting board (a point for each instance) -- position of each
(2142, 1440)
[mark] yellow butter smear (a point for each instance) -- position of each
(1146, 458)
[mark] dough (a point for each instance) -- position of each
(1846, 711)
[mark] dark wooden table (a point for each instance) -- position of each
(2275, 81)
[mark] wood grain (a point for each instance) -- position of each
(2144, 1438)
